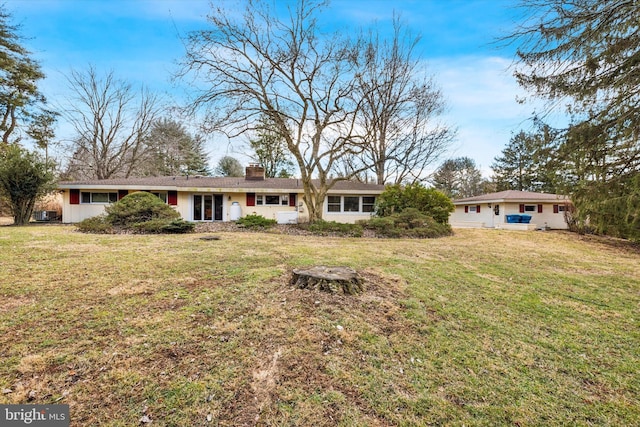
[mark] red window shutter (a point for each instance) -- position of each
(251, 199)
(522, 208)
(539, 208)
(292, 199)
(555, 209)
(122, 193)
(466, 209)
(478, 209)
(74, 196)
(172, 198)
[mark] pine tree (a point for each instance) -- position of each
(174, 151)
(20, 98)
(458, 178)
(586, 54)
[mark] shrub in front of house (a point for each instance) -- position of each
(139, 207)
(431, 202)
(325, 228)
(96, 224)
(158, 226)
(138, 212)
(256, 221)
(409, 223)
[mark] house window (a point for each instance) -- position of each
(333, 204)
(272, 200)
(530, 208)
(473, 209)
(354, 204)
(368, 203)
(88, 197)
(351, 204)
(161, 196)
(559, 208)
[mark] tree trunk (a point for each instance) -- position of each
(342, 280)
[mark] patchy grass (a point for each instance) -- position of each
(486, 327)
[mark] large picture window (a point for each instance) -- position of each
(351, 204)
(272, 199)
(87, 197)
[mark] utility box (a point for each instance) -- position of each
(287, 217)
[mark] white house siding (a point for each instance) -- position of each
(76, 213)
(346, 218)
(485, 218)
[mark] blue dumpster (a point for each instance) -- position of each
(513, 219)
(525, 219)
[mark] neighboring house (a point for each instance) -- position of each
(199, 198)
(511, 210)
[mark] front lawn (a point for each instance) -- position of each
(486, 327)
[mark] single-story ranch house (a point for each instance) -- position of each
(517, 210)
(200, 198)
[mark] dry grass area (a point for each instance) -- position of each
(486, 327)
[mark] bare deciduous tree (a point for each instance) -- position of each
(110, 122)
(400, 106)
(281, 69)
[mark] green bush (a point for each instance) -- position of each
(97, 224)
(139, 212)
(179, 226)
(157, 226)
(408, 223)
(429, 201)
(335, 228)
(139, 207)
(256, 221)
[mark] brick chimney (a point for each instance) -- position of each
(254, 172)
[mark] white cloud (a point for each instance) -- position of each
(482, 97)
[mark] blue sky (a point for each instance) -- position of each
(139, 40)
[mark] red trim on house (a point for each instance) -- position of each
(251, 199)
(466, 209)
(478, 209)
(74, 196)
(292, 199)
(172, 197)
(539, 208)
(522, 208)
(122, 193)
(556, 209)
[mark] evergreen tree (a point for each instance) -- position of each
(458, 178)
(586, 55)
(173, 151)
(229, 166)
(20, 98)
(525, 163)
(270, 151)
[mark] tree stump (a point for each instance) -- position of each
(343, 280)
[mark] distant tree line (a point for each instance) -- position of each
(330, 107)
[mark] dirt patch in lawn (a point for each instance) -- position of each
(309, 334)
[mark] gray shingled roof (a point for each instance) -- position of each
(218, 183)
(513, 196)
